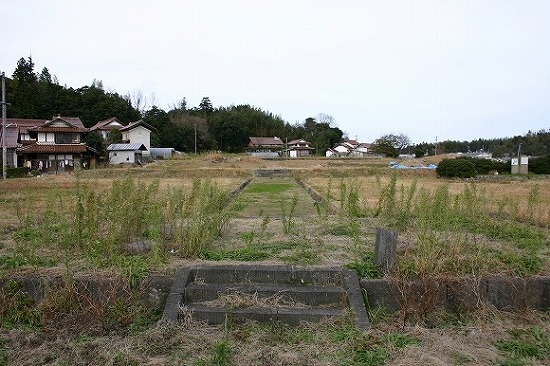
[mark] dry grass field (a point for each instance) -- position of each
(79, 223)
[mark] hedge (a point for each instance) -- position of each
(487, 166)
(461, 168)
(540, 165)
(17, 172)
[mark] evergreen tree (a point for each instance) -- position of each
(23, 95)
(205, 107)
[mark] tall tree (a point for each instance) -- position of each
(392, 144)
(321, 135)
(24, 72)
(205, 107)
(24, 91)
(179, 106)
(45, 76)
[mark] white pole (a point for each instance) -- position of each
(4, 148)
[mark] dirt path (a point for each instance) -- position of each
(273, 197)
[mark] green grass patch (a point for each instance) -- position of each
(341, 229)
(269, 188)
(252, 251)
(17, 308)
(365, 349)
(3, 354)
(525, 345)
(303, 255)
(364, 266)
(16, 260)
(245, 254)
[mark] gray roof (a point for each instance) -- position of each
(126, 147)
(137, 123)
(265, 141)
(106, 124)
(162, 149)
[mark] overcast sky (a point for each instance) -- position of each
(451, 70)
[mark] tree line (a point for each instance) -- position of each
(205, 127)
(531, 144)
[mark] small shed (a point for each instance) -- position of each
(126, 153)
(162, 152)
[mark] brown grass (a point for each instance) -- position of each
(253, 344)
(443, 342)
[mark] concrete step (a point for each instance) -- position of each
(265, 293)
(287, 315)
(307, 295)
(268, 274)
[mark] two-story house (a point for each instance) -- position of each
(299, 148)
(138, 132)
(136, 142)
(17, 135)
(56, 145)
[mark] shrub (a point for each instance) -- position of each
(540, 165)
(17, 172)
(502, 166)
(486, 166)
(461, 168)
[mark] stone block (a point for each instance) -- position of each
(380, 294)
(507, 293)
(384, 249)
(538, 292)
(463, 293)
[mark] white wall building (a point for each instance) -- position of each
(126, 153)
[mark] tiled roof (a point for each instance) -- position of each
(61, 124)
(126, 147)
(24, 123)
(265, 141)
(365, 144)
(68, 129)
(74, 121)
(105, 124)
(298, 147)
(298, 142)
(52, 148)
(12, 135)
(138, 123)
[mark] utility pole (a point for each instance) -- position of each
(4, 147)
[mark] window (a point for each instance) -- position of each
(67, 138)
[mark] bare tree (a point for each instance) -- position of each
(140, 102)
(137, 99)
(180, 105)
(325, 118)
(392, 144)
(152, 100)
